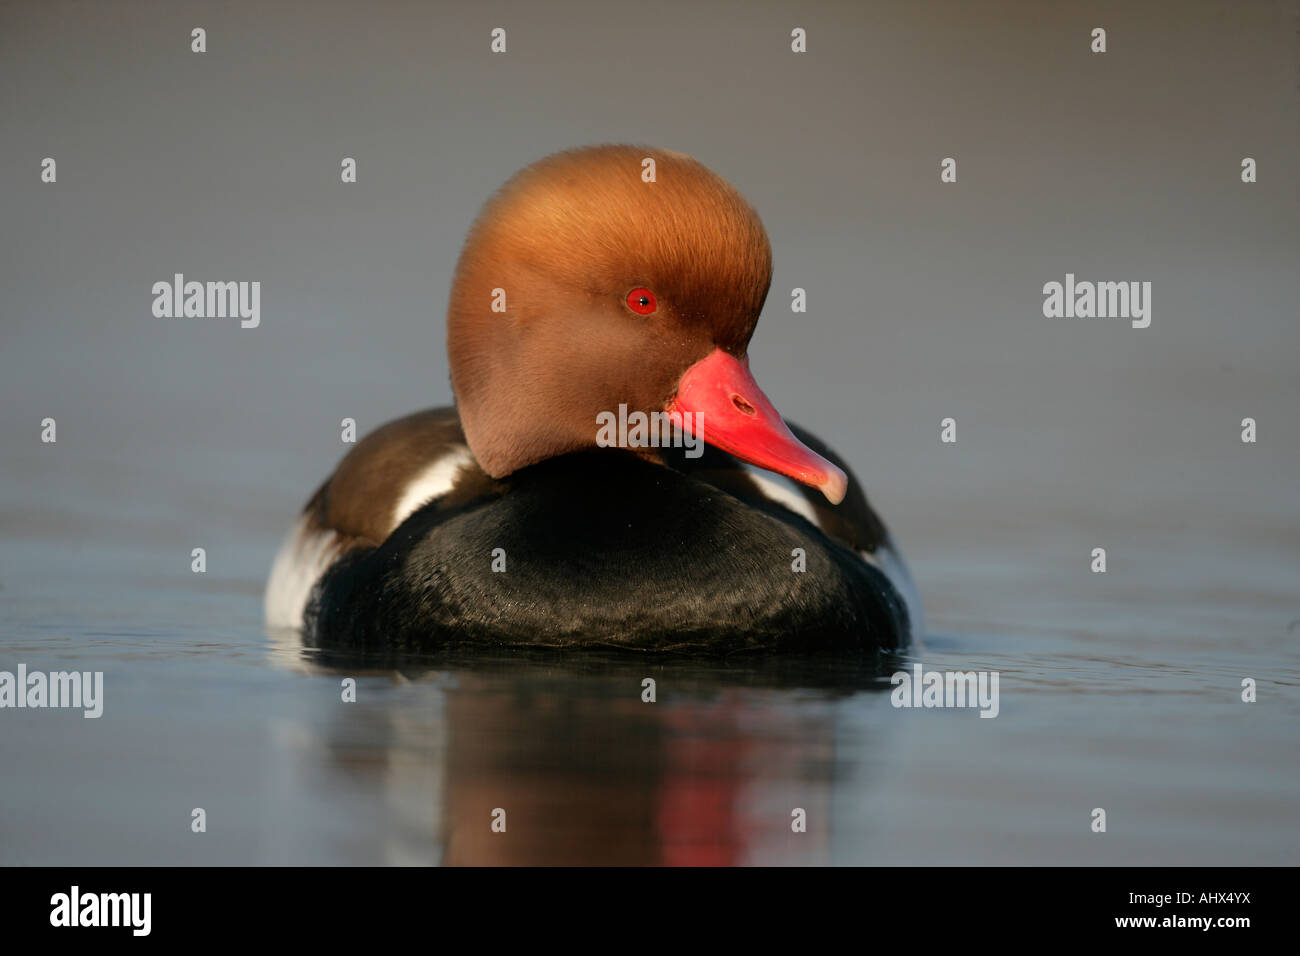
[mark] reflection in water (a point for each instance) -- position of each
(586, 771)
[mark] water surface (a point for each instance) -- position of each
(1122, 701)
(1118, 690)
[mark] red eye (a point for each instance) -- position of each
(641, 301)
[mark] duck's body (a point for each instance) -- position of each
(411, 545)
(507, 521)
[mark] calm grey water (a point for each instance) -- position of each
(1118, 690)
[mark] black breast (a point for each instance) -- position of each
(607, 550)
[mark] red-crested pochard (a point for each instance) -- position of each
(593, 306)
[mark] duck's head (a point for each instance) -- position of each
(583, 286)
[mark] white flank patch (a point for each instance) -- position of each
(433, 482)
(784, 491)
(307, 554)
(302, 560)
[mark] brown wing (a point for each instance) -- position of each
(358, 500)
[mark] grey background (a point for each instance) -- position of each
(924, 298)
(924, 302)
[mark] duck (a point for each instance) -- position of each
(587, 292)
